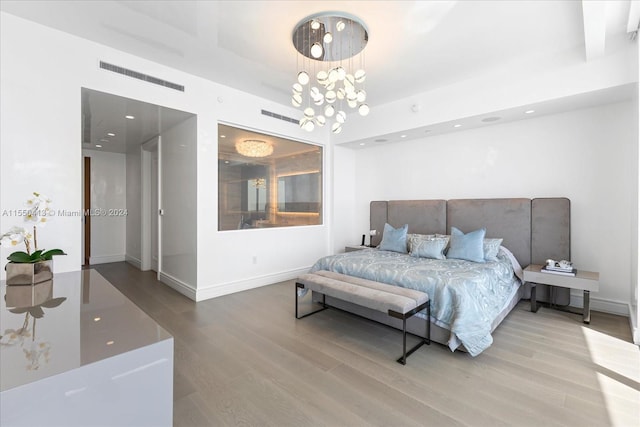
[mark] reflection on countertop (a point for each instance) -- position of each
(76, 319)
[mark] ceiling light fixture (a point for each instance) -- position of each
(530, 111)
(129, 117)
(491, 119)
(334, 38)
(254, 148)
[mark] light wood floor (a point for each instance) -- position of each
(243, 359)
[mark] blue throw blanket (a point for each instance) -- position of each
(465, 296)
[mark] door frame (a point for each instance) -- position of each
(86, 217)
(147, 150)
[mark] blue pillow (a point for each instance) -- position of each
(467, 246)
(394, 239)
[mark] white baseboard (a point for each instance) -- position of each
(133, 261)
(105, 259)
(179, 286)
(633, 323)
(604, 305)
(243, 285)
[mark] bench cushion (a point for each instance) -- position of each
(375, 295)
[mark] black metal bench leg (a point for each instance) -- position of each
(403, 359)
(429, 324)
(324, 303)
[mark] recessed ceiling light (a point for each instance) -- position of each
(457, 126)
(530, 111)
(98, 146)
(96, 319)
(403, 136)
(226, 162)
(491, 119)
(110, 342)
(362, 143)
(111, 134)
(104, 140)
(223, 136)
(129, 117)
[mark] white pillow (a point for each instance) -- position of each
(429, 248)
(491, 248)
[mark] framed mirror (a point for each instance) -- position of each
(267, 181)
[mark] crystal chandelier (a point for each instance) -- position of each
(254, 148)
(330, 78)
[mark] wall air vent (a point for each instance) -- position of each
(140, 76)
(280, 117)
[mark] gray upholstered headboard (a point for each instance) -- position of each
(533, 229)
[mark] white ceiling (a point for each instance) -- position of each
(414, 46)
(105, 126)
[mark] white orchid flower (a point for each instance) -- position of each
(39, 212)
(31, 202)
(13, 237)
(39, 209)
(31, 216)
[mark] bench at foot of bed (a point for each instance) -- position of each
(398, 302)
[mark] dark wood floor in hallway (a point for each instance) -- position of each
(243, 359)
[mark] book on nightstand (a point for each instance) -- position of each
(560, 271)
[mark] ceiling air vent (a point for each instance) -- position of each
(280, 117)
(140, 76)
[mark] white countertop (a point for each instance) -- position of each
(74, 320)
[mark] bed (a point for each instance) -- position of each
(469, 299)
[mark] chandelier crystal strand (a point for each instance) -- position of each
(329, 88)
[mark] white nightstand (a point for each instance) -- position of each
(355, 248)
(586, 280)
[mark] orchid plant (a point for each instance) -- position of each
(38, 211)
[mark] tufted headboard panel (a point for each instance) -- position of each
(509, 219)
(550, 229)
(533, 229)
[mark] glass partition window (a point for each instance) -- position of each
(267, 181)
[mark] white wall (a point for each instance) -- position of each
(634, 309)
(345, 231)
(108, 206)
(50, 96)
(586, 155)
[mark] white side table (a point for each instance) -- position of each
(353, 248)
(586, 280)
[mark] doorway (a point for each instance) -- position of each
(128, 141)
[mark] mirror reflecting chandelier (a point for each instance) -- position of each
(330, 79)
(254, 148)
